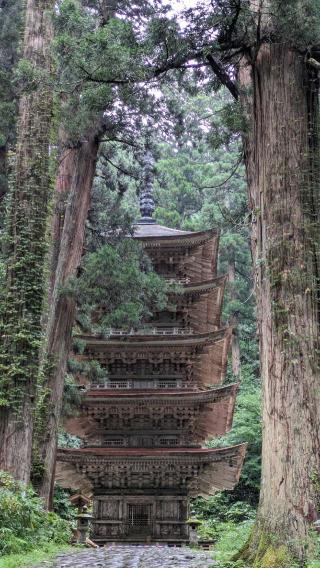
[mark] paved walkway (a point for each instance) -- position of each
(125, 556)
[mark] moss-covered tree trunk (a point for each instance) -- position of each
(280, 93)
(27, 220)
(3, 173)
(234, 318)
(75, 178)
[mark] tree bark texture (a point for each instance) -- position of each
(77, 169)
(280, 95)
(233, 320)
(3, 172)
(26, 229)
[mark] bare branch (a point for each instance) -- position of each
(221, 73)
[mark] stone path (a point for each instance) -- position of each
(125, 556)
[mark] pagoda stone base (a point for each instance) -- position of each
(140, 519)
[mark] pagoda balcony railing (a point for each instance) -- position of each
(171, 280)
(151, 331)
(137, 384)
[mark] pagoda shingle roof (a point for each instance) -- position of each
(213, 407)
(154, 234)
(198, 471)
(153, 395)
(146, 230)
(153, 230)
(149, 452)
(204, 286)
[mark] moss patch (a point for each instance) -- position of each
(275, 558)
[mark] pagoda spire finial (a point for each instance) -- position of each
(147, 205)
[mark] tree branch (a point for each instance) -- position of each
(223, 76)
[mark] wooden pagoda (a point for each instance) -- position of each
(144, 426)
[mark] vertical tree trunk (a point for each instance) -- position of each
(3, 173)
(78, 166)
(22, 302)
(64, 177)
(282, 169)
(233, 320)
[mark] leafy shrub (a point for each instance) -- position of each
(24, 522)
(219, 508)
(62, 505)
(231, 537)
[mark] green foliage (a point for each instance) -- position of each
(219, 515)
(217, 509)
(21, 298)
(71, 396)
(11, 13)
(104, 56)
(62, 505)
(119, 280)
(297, 21)
(314, 560)
(229, 538)
(246, 428)
(24, 522)
(42, 553)
(66, 440)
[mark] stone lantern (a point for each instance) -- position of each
(193, 523)
(83, 525)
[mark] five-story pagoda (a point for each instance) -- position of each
(162, 399)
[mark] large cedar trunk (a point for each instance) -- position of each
(27, 222)
(3, 174)
(234, 318)
(77, 169)
(281, 154)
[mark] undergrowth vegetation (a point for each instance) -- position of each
(24, 523)
(229, 524)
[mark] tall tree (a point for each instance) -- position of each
(10, 30)
(101, 58)
(21, 304)
(280, 93)
(272, 46)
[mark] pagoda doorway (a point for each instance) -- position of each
(139, 518)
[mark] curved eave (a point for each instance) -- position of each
(207, 471)
(178, 396)
(137, 341)
(220, 474)
(163, 237)
(100, 455)
(202, 287)
(214, 409)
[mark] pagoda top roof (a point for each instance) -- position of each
(145, 230)
(166, 235)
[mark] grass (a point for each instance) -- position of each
(33, 557)
(232, 536)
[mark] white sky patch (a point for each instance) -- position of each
(178, 7)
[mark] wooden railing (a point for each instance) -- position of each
(150, 331)
(136, 384)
